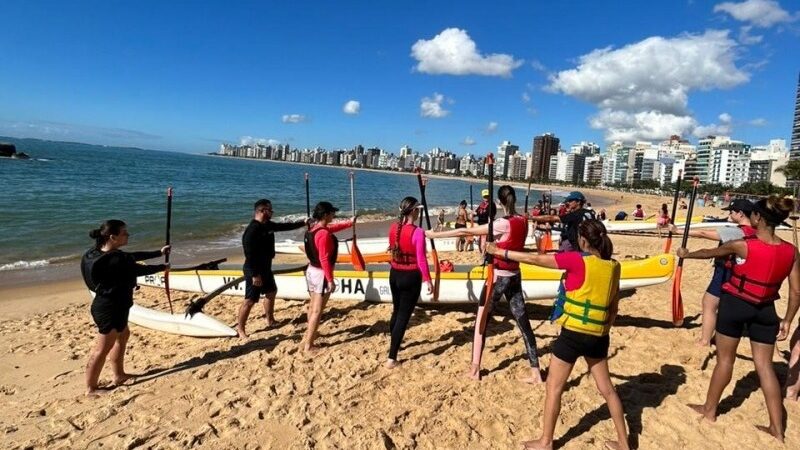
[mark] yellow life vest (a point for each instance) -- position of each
(586, 309)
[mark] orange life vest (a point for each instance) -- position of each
(407, 257)
(758, 279)
(517, 232)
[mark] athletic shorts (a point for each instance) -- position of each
(571, 345)
(736, 315)
(268, 286)
(108, 315)
(460, 225)
(721, 275)
(315, 279)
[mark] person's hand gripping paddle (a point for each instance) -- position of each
(677, 301)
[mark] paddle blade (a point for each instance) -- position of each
(437, 274)
(677, 300)
(356, 258)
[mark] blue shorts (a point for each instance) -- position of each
(721, 275)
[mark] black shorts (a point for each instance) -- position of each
(108, 315)
(721, 275)
(736, 315)
(571, 345)
(460, 225)
(254, 293)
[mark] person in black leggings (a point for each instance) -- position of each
(409, 270)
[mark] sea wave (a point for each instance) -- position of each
(23, 265)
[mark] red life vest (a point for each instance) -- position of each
(758, 279)
(517, 232)
(407, 258)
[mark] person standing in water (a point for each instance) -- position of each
(258, 243)
(110, 274)
(739, 213)
(586, 308)
(511, 231)
(748, 303)
(461, 222)
(322, 248)
(409, 269)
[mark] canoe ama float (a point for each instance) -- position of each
(460, 286)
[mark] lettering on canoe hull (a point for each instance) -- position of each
(349, 286)
(238, 287)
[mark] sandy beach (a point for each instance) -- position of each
(264, 393)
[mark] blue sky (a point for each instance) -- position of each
(462, 75)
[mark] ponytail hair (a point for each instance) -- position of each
(407, 207)
(107, 229)
(774, 209)
(508, 198)
(596, 235)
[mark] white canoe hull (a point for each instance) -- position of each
(199, 325)
(373, 285)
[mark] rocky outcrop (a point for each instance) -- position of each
(7, 150)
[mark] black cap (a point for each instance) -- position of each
(740, 204)
(323, 208)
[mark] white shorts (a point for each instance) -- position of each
(315, 279)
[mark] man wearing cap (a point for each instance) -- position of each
(575, 214)
(258, 243)
(739, 213)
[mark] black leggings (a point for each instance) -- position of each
(511, 287)
(406, 286)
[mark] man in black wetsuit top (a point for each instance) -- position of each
(574, 215)
(258, 242)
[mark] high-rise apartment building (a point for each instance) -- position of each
(794, 150)
(544, 148)
(502, 164)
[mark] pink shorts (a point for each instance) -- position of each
(315, 279)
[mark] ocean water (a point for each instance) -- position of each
(51, 201)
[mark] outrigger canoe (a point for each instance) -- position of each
(460, 286)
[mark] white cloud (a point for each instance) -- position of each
(526, 98)
(468, 141)
(724, 127)
(538, 66)
(748, 39)
(432, 106)
(352, 107)
(758, 122)
(492, 127)
(293, 118)
(250, 140)
(453, 52)
(642, 89)
(761, 13)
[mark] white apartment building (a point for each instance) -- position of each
(504, 153)
(722, 160)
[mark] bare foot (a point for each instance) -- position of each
(242, 334)
(614, 445)
(119, 381)
(792, 393)
(311, 350)
(536, 445)
(702, 343)
(392, 364)
(775, 433)
(534, 378)
(701, 409)
(474, 372)
(97, 392)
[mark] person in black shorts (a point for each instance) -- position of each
(747, 303)
(111, 275)
(258, 243)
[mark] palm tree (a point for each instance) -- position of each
(792, 172)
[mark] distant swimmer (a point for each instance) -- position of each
(111, 274)
(258, 244)
(739, 213)
(409, 269)
(747, 303)
(585, 308)
(321, 248)
(511, 231)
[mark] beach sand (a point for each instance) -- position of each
(264, 393)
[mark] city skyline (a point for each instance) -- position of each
(174, 77)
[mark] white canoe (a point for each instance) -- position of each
(377, 245)
(461, 286)
(198, 325)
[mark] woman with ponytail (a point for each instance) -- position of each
(747, 302)
(409, 270)
(585, 308)
(510, 233)
(111, 275)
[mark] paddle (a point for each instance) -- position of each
(488, 287)
(166, 256)
(794, 229)
(196, 306)
(677, 301)
(437, 271)
(355, 254)
(527, 194)
(668, 244)
(308, 198)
